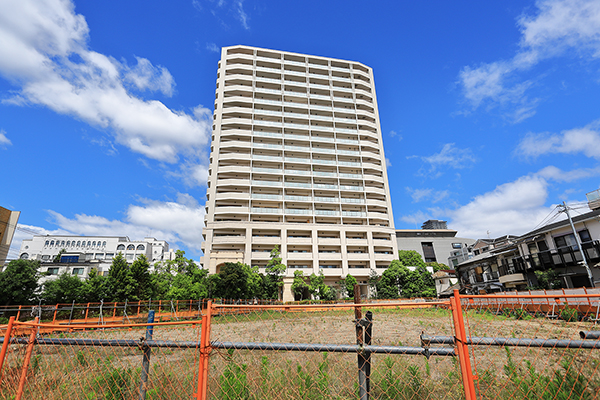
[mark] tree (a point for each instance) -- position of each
(547, 280)
(57, 257)
(19, 282)
(437, 266)
(349, 283)
(299, 284)
(392, 281)
(372, 282)
(238, 281)
(120, 282)
(140, 275)
(410, 258)
(191, 285)
(274, 277)
(420, 283)
(65, 289)
(94, 288)
(319, 289)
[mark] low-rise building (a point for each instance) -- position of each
(434, 245)
(514, 263)
(79, 254)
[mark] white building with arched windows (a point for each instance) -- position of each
(81, 253)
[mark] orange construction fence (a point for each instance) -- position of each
(466, 347)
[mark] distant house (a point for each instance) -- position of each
(510, 263)
(445, 282)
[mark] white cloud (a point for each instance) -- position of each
(584, 140)
(419, 217)
(511, 208)
(212, 47)
(178, 221)
(432, 195)
(556, 27)
(395, 134)
(145, 76)
(44, 51)
(241, 14)
(4, 141)
(556, 174)
(388, 163)
(449, 157)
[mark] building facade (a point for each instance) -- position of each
(434, 245)
(81, 253)
(297, 161)
(515, 262)
(8, 224)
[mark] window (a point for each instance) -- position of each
(52, 243)
(457, 245)
(78, 243)
(109, 255)
(569, 240)
(77, 271)
(69, 259)
(68, 243)
(129, 257)
(45, 257)
(428, 252)
(94, 243)
(141, 247)
(62, 243)
(47, 243)
(52, 271)
(131, 247)
(98, 256)
(24, 256)
(103, 243)
(121, 247)
(89, 243)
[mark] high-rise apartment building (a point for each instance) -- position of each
(297, 161)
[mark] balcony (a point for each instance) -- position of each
(512, 278)
(563, 257)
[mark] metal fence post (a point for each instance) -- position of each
(462, 348)
(368, 339)
(27, 359)
(146, 359)
(202, 392)
(361, 359)
(9, 328)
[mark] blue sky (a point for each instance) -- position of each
(489, 110)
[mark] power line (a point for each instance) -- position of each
(543, 222)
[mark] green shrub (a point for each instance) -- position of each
(569, 314)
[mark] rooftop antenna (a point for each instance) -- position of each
(488, 234)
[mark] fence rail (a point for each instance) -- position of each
(471, 347)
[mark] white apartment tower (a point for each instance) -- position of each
(297, 161)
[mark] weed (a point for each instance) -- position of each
(233, 383)
(569, 314)
(81, 360)
(531, 384)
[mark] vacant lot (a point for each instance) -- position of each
(114, 372)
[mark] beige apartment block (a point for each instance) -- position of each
(297, 161)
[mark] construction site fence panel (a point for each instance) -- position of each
(465, 347)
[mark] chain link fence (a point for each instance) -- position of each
(500, 347)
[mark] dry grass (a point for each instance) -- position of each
(89, 373)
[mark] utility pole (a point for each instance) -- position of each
(585, 264)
